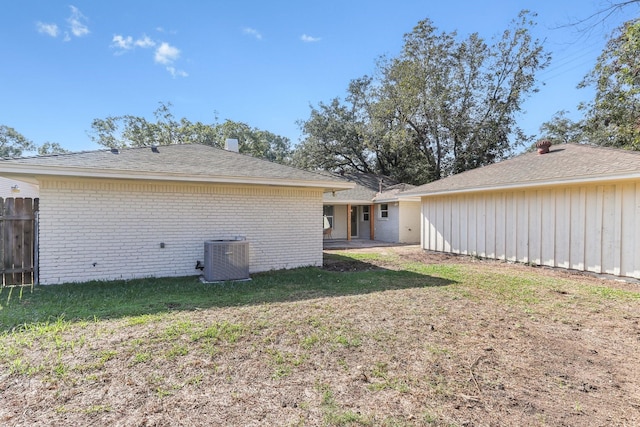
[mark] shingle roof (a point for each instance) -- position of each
(186, 162)
(366, 187)
(393, 193)
(563, 164)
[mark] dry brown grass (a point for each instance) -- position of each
(487, 344)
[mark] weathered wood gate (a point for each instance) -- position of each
(18, 241)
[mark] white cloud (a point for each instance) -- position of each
(48, 29)
(166, 54)
(124, 43)
(252, 32)
(309, 39)
(127, 43)
(78, 27)
(177, 73)
(145, 42)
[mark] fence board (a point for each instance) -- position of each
(17, 240)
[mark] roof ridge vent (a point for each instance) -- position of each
(115, 151)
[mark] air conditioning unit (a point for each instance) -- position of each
(226, 260)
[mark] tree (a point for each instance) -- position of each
(336, 139)
(613, 117)
(134, 131)
(443, 106)
(561, 130)
(51, 148)
(13, 143)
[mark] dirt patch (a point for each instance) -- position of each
(561, 349)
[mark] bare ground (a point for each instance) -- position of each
(458, 354)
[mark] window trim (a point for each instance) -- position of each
(366, 213)
(383, 213)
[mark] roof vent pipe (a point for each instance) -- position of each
(231, 145)
(115, 151)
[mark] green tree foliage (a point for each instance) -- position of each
(561, 130)
(613, 117)
(337, 137)
(13, 143)
(443, 106)
(134, 131)
(51, 148)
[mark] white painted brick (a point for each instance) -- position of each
(122, 231)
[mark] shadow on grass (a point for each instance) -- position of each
(115, 299)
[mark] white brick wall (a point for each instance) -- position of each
(103, 230)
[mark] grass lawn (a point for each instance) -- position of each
(392, 338)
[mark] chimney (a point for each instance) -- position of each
(231, 145)
(543, 146)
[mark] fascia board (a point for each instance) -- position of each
(27, 170)
(534, 184)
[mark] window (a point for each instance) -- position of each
(327, 212)
(384, 210)
(365, 213)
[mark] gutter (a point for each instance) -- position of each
(528, 185)
(24, 172)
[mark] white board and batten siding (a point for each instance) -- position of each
(593, 228)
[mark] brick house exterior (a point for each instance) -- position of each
(142, 212)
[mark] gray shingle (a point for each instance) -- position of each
(189, 160)
(367, 186)
(568, 162)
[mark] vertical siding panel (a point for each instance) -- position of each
(481, 224)
(490, 227)
(636, 239)
(511, 241)
(609, 218)
(563, 228)
(464, 224)
(432, 208)
(500, 226)
(472, 249)
(577, 219)
(548, 224)
(535, 227)
(439, 222)
(627, 231)
(594, 230)
(423, 219)
(522, 227)
(455, 224)
(446, 226)
(618, 229)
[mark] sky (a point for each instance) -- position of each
(65, 63)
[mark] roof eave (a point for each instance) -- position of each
(534, 184)
(18, 170)
(397, 199)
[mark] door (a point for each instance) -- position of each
(354, 221)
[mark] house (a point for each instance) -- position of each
(575, 207)
(374, 209)
(141, 212)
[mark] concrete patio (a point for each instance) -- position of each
(329, 244)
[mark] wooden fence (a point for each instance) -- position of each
(18, 241)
